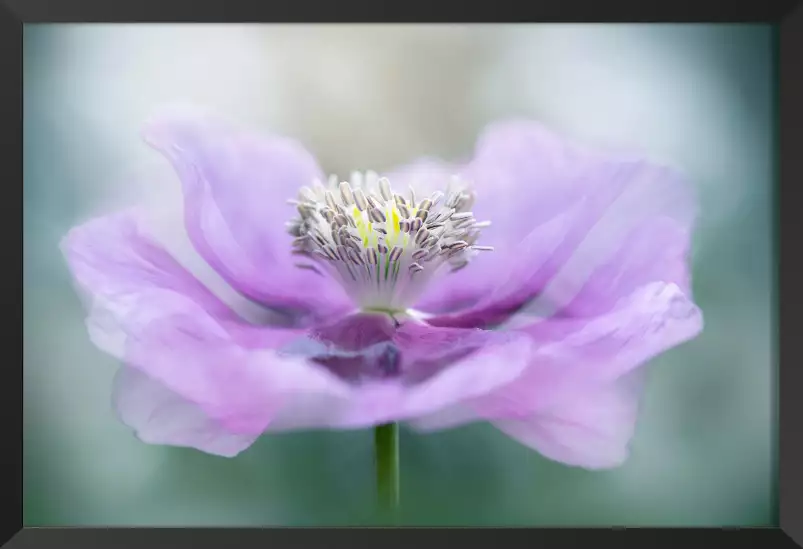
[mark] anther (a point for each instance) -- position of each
(359, 200)
(395, 253)
(346, 194)
(330, 200)
(376, 215)
(307, 267)
(306, 195)
(458, 266)
(421, 235)
(384, 188)
(420, 254)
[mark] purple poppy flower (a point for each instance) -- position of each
(525, 287)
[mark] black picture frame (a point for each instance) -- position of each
(787, 20)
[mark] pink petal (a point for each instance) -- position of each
(576, 353)
(129, 279)
(399, 373)
(375, 402)
(446, 418)
(573, 400)
(236, 185)
(558, 211)
(592, 429)
(240, 388)
(150, 312)
(160, 416)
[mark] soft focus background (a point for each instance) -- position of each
(374, 96)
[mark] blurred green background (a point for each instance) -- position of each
(373, 96)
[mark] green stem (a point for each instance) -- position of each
(386, 449)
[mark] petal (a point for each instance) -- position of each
(129, 279)
(377, 402)
(558, 211)
(150, 312)
(446, 418)
(572, 356)
(657, 250)
(432, 369)
(240, 388)
(159, 416)
(374, 346)
(576, 353)
(236, 185)
(592, 429)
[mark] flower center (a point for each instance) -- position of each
(384, 247)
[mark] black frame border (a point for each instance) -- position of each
(785, 15)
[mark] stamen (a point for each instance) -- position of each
(359, 199)
(330, 200)
(458, 266)
(395, 253)
(403, 210)
(346, 194)
(420, 254)
(381, 246)
(384, 189)
(312, 268)
(306, 195)
(421, 236)
(377, 215)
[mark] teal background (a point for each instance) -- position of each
(372, 96)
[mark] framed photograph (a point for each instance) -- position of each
(304, 272)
